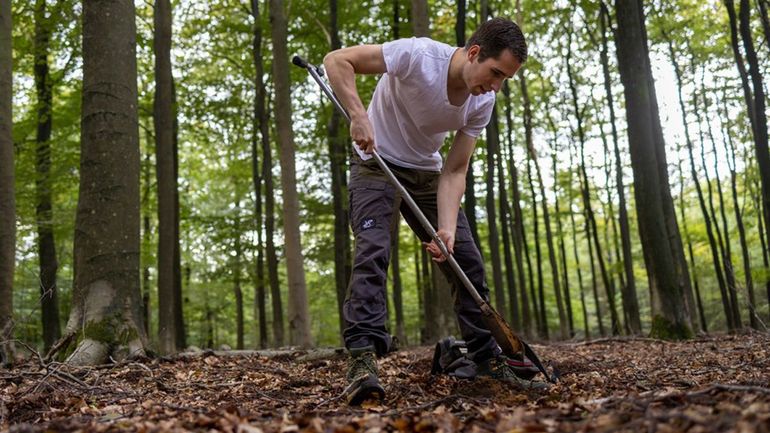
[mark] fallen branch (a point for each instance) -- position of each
(725, 387)
(62, 343)
(299, 355)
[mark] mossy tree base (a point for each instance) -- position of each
(102, 342)
(665, 329)
(105, 327)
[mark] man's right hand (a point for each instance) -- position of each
(362, 133)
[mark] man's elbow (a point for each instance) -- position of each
(330, 58)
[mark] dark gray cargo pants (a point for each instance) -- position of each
(372, 201)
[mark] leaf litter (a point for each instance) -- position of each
(710, 384)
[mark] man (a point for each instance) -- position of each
(427, 89)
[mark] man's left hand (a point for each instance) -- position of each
(448, 237)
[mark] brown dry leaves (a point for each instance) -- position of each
(708, 385)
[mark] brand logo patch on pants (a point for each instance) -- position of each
(368, 223)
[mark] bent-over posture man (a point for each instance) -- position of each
(427, 89)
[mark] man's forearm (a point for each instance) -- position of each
(342, 78)
(450, 190)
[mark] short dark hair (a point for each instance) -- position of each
(496, 35)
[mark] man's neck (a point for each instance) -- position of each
(455, 80)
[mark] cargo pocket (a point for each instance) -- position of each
(371, 205)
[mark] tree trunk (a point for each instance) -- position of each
(755, 102)
(516, 227)
(431, 327)
(571, 198)
(759, 124)
(260, 124)
(594, 280)
(505, 218)
(763, 7)
(49, 298)
(163, 119)
(591, 228)
(493, 146)
(609, 211)
(659, 235)
(540, 295)
(299, 319)
(563, 322)
(470, 203)
(559, 229)
(753, 189)
(209, 343)
(339, 146)
(724, 241)
(460, 23)
(610, 228)
(539, 306)
(179, 326)
(7, 188)
(396, 21)
(630, 300)
(532, 295)
(418, 283)
(106, 304)
(146, 238)
(420, 18)
(519, 216)
(696, 285)
(237, 290)
(696, 179)
(727, 140)
(442, 295)
(272, 257)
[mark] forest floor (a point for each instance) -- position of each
(710, 384)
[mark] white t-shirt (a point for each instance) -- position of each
(410, 110)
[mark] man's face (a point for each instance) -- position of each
(488, 75)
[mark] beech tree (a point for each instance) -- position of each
(667, 272)
(7, 189)
(299, 319)
(49, 296)
(171, 335)
(106, 315)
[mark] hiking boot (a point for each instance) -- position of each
(499, 369)
(362, 377)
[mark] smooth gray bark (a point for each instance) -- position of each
(298, 314)
(49, 296)
(164, 116)
(661, 243)
(106, 311)
(7, 194)
(339, 146)
(630, 299)
(261, 127)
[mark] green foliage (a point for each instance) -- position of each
(214, 79)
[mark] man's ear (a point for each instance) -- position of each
(473, 52)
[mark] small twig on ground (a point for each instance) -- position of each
(611, 340)
(429, 404)
(726, 387)
(59, 345)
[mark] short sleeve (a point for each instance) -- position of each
(479, 118)
(398, 55)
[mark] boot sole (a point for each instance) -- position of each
(367, 389)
